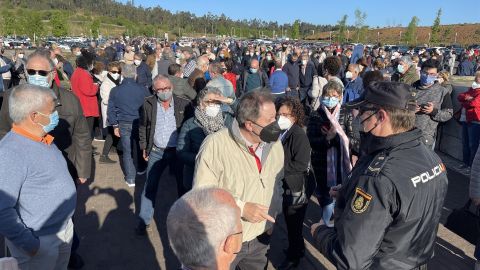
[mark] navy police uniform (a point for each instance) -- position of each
(389, 208)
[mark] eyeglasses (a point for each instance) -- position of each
(233, 235)
(212, 102)
(363, 110)
(32, 72)
(162, 89)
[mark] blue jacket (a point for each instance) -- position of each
(353, 90)
(125, 102)
(278, 82)
(144, 76)
(293, 73)
(306, 80)
(466, 68)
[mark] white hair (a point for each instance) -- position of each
(197, 224)
(161, 77)
(202, 61)
(407, 60)
(129, 71)
(27, 98)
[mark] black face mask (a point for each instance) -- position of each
(269, 133)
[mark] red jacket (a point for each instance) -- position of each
(86, 91)
(472, 106)
(232, 78)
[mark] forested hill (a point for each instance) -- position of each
(111, 18)
(134, 20)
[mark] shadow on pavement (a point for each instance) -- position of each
(113, 244)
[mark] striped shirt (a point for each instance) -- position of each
(166, 127)
(189, 68)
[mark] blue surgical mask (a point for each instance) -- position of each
(164, 95)
(330, 102)
(54, 118)
(38, 80)
(207, 76)
(400, 69)
(253, 70)
(426, 79)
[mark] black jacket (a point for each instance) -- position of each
(306, 80)
(320, 146)
(297, 156)
(72, 135)
(293, 73)
(183, 110)
(386, 216)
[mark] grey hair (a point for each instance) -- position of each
(202, 61)
(332, 85)
(356, 67)
(249, 106)
(27, 98)
(42, 53)
(197, 224)
(205, 91)
(129, 71)
(407, 60)
(160, 77)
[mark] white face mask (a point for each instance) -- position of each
(78, 53)
(55, 61)
(284, 122)
(115, 76)
(304, 62)
(212, 110)
(349, 75)
(475, 85)
(269, 58)
(21, 56)
(137, 62)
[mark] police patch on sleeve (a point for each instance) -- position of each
(360, 201)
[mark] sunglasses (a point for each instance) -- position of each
(115, 72)
(32, 72)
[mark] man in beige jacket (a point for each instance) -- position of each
(247, 160)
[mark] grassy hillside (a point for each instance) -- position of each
(466, 34)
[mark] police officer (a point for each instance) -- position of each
(389, 207)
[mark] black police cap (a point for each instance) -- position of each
(391, 94)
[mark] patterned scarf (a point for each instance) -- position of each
(209, 124)
(332, 156)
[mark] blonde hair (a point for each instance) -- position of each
(444, 75)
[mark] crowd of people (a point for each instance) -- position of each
(249, 131)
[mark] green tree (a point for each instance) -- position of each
(296, 29)
(34, 24)
(360, 26)
(411, 33)
(59, 24)
(9, 25)
(95, 28)
(342, 29)
(435, 38)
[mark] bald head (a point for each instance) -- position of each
(254, 63)
(202, 63)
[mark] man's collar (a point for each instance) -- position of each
(47, 139)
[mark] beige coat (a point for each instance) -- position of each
(224, 161)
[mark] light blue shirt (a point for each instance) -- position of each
(166, 128)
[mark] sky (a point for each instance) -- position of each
(379, 13)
